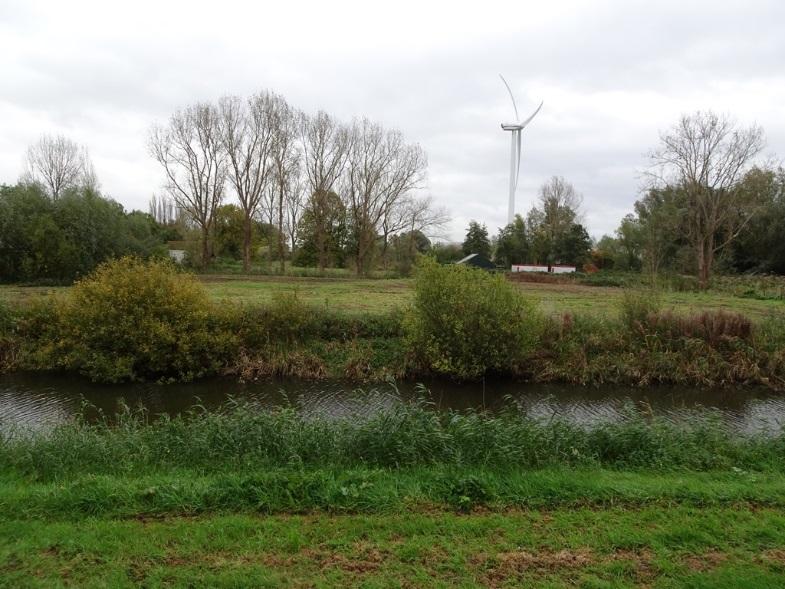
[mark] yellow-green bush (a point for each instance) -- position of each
(466, 322)
(133, 320)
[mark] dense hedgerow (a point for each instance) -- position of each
(466, 322)
(130, 320)
(245, 437)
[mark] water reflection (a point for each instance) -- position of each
(40, 400)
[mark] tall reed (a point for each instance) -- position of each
(242, 437)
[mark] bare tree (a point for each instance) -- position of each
(547, 224)
(421, 216)
(247, 135)
(295, 205)
(382, 169)
(285, 157)
(190, 151)
(706, 155)
(394, 219)
(560, 201)
(325, 147)
(58, 163)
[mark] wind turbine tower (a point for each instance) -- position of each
(515, 149)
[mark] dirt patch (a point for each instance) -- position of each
(701, 563)
(367, 559)
(776, 555)
(514, 564)
(543, 562)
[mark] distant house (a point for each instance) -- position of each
(529, 268)
(177, 255)
(477, 261)
(553, 269)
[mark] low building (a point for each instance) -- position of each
(554, 269)
(529, 268)
(477, 261)
(177, 255)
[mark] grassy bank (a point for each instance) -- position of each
(239, 437)
(137, 321)
(679, 546)
(242, 498)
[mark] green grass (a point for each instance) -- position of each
(661, 547)
(188, 492)
(409, 497)
(605, 301)
(239, 437)
(353, 295)
(379, 295)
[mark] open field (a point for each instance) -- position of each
(377, 295)
(735, 546)
(354, 295)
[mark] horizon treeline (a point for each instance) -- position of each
(711, 204)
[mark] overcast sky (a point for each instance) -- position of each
(612, 74)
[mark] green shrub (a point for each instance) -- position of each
(637, 305)
(8, 343)
(131, 320)
(287, 320)
(465, 322)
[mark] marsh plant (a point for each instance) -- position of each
(405, 435)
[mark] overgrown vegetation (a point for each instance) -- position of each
(133, 320)
(58, 240)
(465, 322)
(130, 320)
(241, 437)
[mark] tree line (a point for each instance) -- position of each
(711, 204)
(56, 226)
(337, 191)
(551, 233)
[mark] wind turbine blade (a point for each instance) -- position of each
(534, 114)
(518, 153)
(514, 106)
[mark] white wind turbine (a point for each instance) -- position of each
(515, 150)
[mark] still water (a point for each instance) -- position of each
(41, 400)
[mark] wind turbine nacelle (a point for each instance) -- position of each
(511, 127)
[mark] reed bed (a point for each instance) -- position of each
(243, 438)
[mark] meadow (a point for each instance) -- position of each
(383, 294)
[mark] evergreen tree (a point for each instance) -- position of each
(512, 244)
(477, 241)
(573, 247)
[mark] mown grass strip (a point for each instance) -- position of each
(615, 547)
(376, 491)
